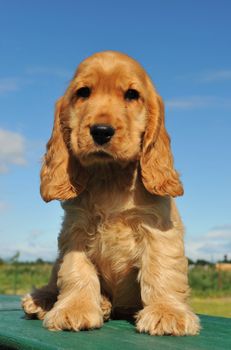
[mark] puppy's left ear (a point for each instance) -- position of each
(157, 169)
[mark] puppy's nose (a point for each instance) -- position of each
(102, 133)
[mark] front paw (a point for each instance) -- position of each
(37, 304)
(73, 317)
(160, 319)
(31, 309)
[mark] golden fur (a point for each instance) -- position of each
(121, 250)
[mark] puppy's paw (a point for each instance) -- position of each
(73, 317)
(106, 307)
(160, 319)
(31, 309)
(38, 303)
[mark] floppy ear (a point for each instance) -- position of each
(62, 177)
(157, 169)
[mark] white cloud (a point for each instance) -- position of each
(12, 84)
(215, 76)
(34, 246)
(212, 245)
(12, 149)
(49, 71)
(220, 232)
(187, 102)
(9, 85)
(208, 76)
(195, 102)
(3, 206)
(27, 252)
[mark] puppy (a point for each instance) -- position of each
(121, 250)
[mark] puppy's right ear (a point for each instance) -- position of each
(62, 177)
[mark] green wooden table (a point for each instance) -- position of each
(18, 333)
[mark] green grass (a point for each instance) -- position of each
(211, 291)
(212, 306)
(207, 282)
(20, 278)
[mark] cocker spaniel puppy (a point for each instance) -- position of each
(121, 250)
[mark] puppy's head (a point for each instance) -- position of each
(109, 113)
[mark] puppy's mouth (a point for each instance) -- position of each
(96, 157)
(101, 155)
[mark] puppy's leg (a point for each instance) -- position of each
(41, 300)
(78, 304)
(106, 307)
(164, 287)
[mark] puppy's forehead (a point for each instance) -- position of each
(112, 66)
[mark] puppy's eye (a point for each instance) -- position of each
(131, 94)
(84, 92)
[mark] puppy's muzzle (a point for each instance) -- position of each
(101, 133)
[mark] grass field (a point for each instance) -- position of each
(20, 278)
(217, 306)
(211, 291)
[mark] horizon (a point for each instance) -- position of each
(16, 259)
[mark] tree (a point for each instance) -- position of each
(203, 262)
(190, 261)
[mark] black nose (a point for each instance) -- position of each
(101, 133)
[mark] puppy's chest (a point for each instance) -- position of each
(112, 229)
(114, 246)
(115, 235)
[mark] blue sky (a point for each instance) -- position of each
(185, 45)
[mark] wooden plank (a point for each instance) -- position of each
(18, 333)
